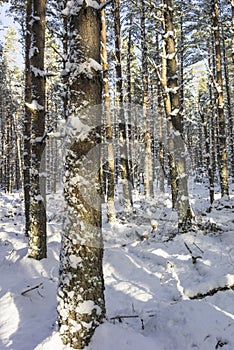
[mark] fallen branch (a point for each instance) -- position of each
(119, 318)
(194, 258)
(31, 288)
(212, 292)
(198, 247)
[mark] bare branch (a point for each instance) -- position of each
(31, 288)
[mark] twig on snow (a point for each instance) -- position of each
(31, 288)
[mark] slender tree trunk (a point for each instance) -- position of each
(81, 286)
(176, 124)
(125, 172)
(131, 128)
(222, 156)
(229, 107)
(148, 166)
(37, 234)
(109, 125)
(167, 106)
(208, 154)
(233, 31)
(27, 119)
(65, 72)
(160, 114)
(181, 63)
(212, 97)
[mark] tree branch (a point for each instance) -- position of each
(31, 288)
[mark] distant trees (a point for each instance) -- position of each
(10, 116)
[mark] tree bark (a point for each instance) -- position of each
(148, 166)
(109, 125)
(222, 155)
(176, 122)
(27, 119)
(81, 286)
(124, 166)
(233, 31)
(37, 234)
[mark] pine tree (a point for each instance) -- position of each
(27, 118)
(110, 168)
(37, 234)
(222, 154)
(173, 110)
(81, 287)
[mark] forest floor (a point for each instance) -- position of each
(163, 292)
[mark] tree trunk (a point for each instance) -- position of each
(167, 106)
(148, 166)
(175, 123)
(229, 107)
(109, 126)
(81, 286)
(27, 119)
(233, 31)
(125, 172)
(222, 156)
(37, 234)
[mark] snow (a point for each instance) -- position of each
(171, 302)
(76, 127)
(72, 7)
(87, 67)
(87, 306)
(37, 72)
(34, 106)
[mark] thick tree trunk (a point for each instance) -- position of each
(37, 234)
(81, 286)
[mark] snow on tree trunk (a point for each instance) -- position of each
(37, 233)
(81, 287)
(175, 123)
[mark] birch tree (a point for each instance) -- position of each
(81, 287)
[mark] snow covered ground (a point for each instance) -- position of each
(164, 292)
